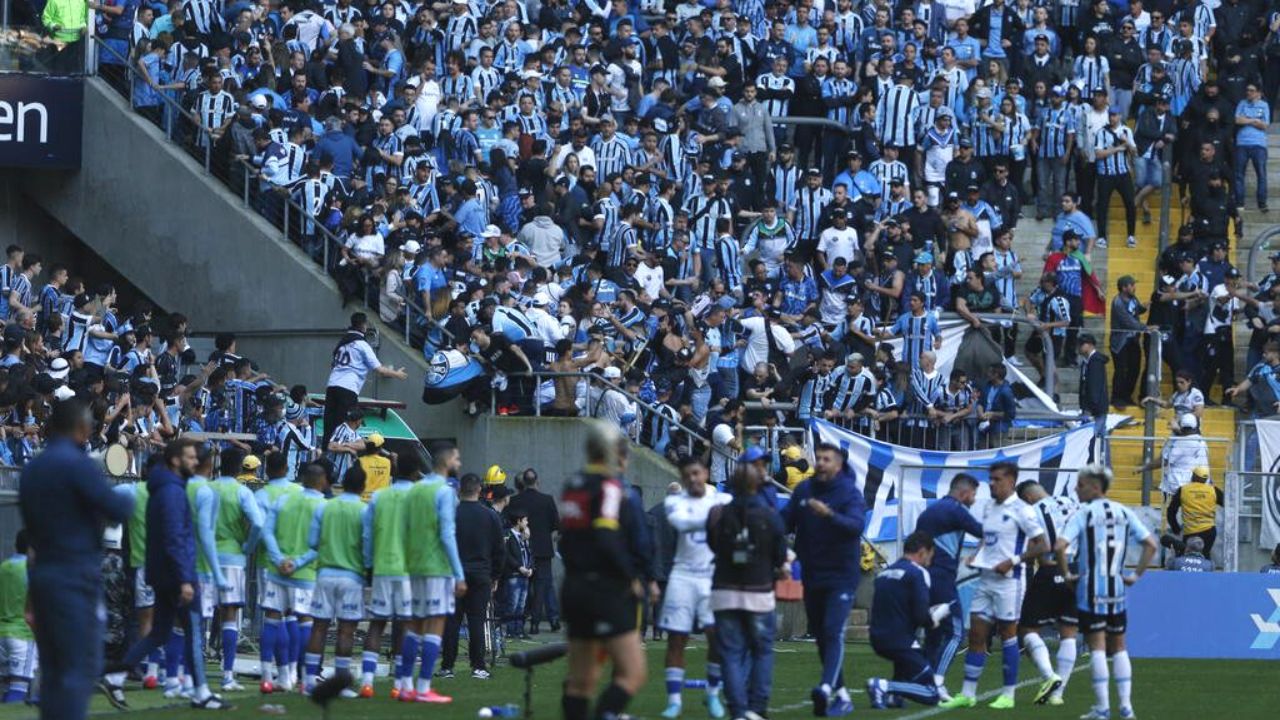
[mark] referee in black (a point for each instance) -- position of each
(353, 360)
(602, 587)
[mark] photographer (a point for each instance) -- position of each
(750, 549)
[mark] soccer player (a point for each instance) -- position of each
(901, 607)
(17, 643)
(336, 536)
(947, 521)
(383, 528)
(1048, 598)
(291, 577)
(274, 642)
(1007, 525)
(434, 566)
(1102, 531)
(237, 528)
(204, 515)
(144, 597)
(688, 595)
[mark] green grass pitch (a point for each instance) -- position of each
(1163, 690)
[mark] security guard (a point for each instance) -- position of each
(1198, 501)
(376, 465)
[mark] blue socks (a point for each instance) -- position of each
(300, 642)
(408, 652)
(713, 678)
(675, 683)
(290, 642)
(430, 652)
(312, 661)
(173, 654)
(270, 639)
(1009, 655)
(230, 639)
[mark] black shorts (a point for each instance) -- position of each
(1048, 600)
(596, 608)
(1113, 622)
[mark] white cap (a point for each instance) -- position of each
(612, 373)
(1187, 420)
(259, 101)
(58, 369)
(63, 393)
(411, 247)
(490, 231)
(716, 82)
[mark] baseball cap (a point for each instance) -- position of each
(716, 82)
(250, 463)
(376, 440)
(924, 259)
(966, 143)
(490, 231)
(259, 101)
(612, 373)
(411, 247)
(752, 454)
(1200, 470)
(1233, 273)
(63, 393)
(59, 368)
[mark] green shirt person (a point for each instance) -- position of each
(66, 19)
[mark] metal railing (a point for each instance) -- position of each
(1261, 244)
(1166, 195)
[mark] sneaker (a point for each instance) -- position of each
(173, 692)
(673, 710)
(715, 707)
(150, 682)
(480, 674)
(232, 686)
(1047, 688)
(943, 695)
(445, 673)
(349, 694)
(213, 702)
(1096, 714)
(1014, 361)
(1100, 242)
(821, 698)
(366, 691)
(1002, 702)
(959, 701)
(840, 707)
(1146, 217)
(395, 693)
(876, 691)
(408, 696)
(266, 688)
(114, 694)
(1127, 714)
(1263, 209)
(431, 696)
(1132, 242)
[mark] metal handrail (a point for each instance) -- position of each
(1260, 243)
(1166, 195)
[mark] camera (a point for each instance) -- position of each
(743, 548)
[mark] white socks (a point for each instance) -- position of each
(1098, 661)
(1066, 663)
(1039, 654)
(1124, 678)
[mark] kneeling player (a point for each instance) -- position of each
(688, 593)
(1102, 531)
(337, 537)
(900, 608)
(1049, 600)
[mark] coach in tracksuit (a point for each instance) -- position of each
(901, 607)
(947, 521)
(827, 514)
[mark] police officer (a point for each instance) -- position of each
(65, 501)
(602, 584)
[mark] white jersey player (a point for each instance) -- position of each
(1048, 600)
(688, 595)
(1011, 536)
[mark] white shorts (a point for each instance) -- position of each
(143, 595)
(340, 598)
(235, 578)
(208, 595)
(18, 658)
(432, 596)
(391, 598)
(998, 598)
(687, 597)
(286, 599)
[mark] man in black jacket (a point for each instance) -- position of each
(482, 549)
(1124, 56)
(1095, 399)
(1156, 128)
(544, 523)
(1011, 29)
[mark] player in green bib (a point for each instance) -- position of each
(17, 643)
(236, 529)
(144, 597)
(384, 554)
(435, 570)
(337, 536)
(291, 577)
(274, 642)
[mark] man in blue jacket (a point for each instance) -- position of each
(65, 501)
(947, 520)
(900, 609)
(827, 514)
(171, 567)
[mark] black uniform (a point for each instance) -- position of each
(596, 519)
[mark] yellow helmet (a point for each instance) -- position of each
(494, 475)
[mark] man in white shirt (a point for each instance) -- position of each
(650, 275)
(688, 594)
(353, 360)
(1008, 526)
(839, 240)
(724, 443)
(757, 349)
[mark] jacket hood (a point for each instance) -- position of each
(162, 476)
(543, 222)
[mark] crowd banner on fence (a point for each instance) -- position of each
(1244, 623)
(1269, 445)
(888, 474)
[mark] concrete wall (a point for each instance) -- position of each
(189, 245)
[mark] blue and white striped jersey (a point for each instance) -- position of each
(808, 207)
(1056, 128)
(1055, 512)
(1102, 531)
(895, 113)
(1118, 163)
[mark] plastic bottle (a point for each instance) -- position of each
(695, 684)
(508, 710)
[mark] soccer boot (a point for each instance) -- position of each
(1002, 702)
(959, 701)
(1052, 683)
